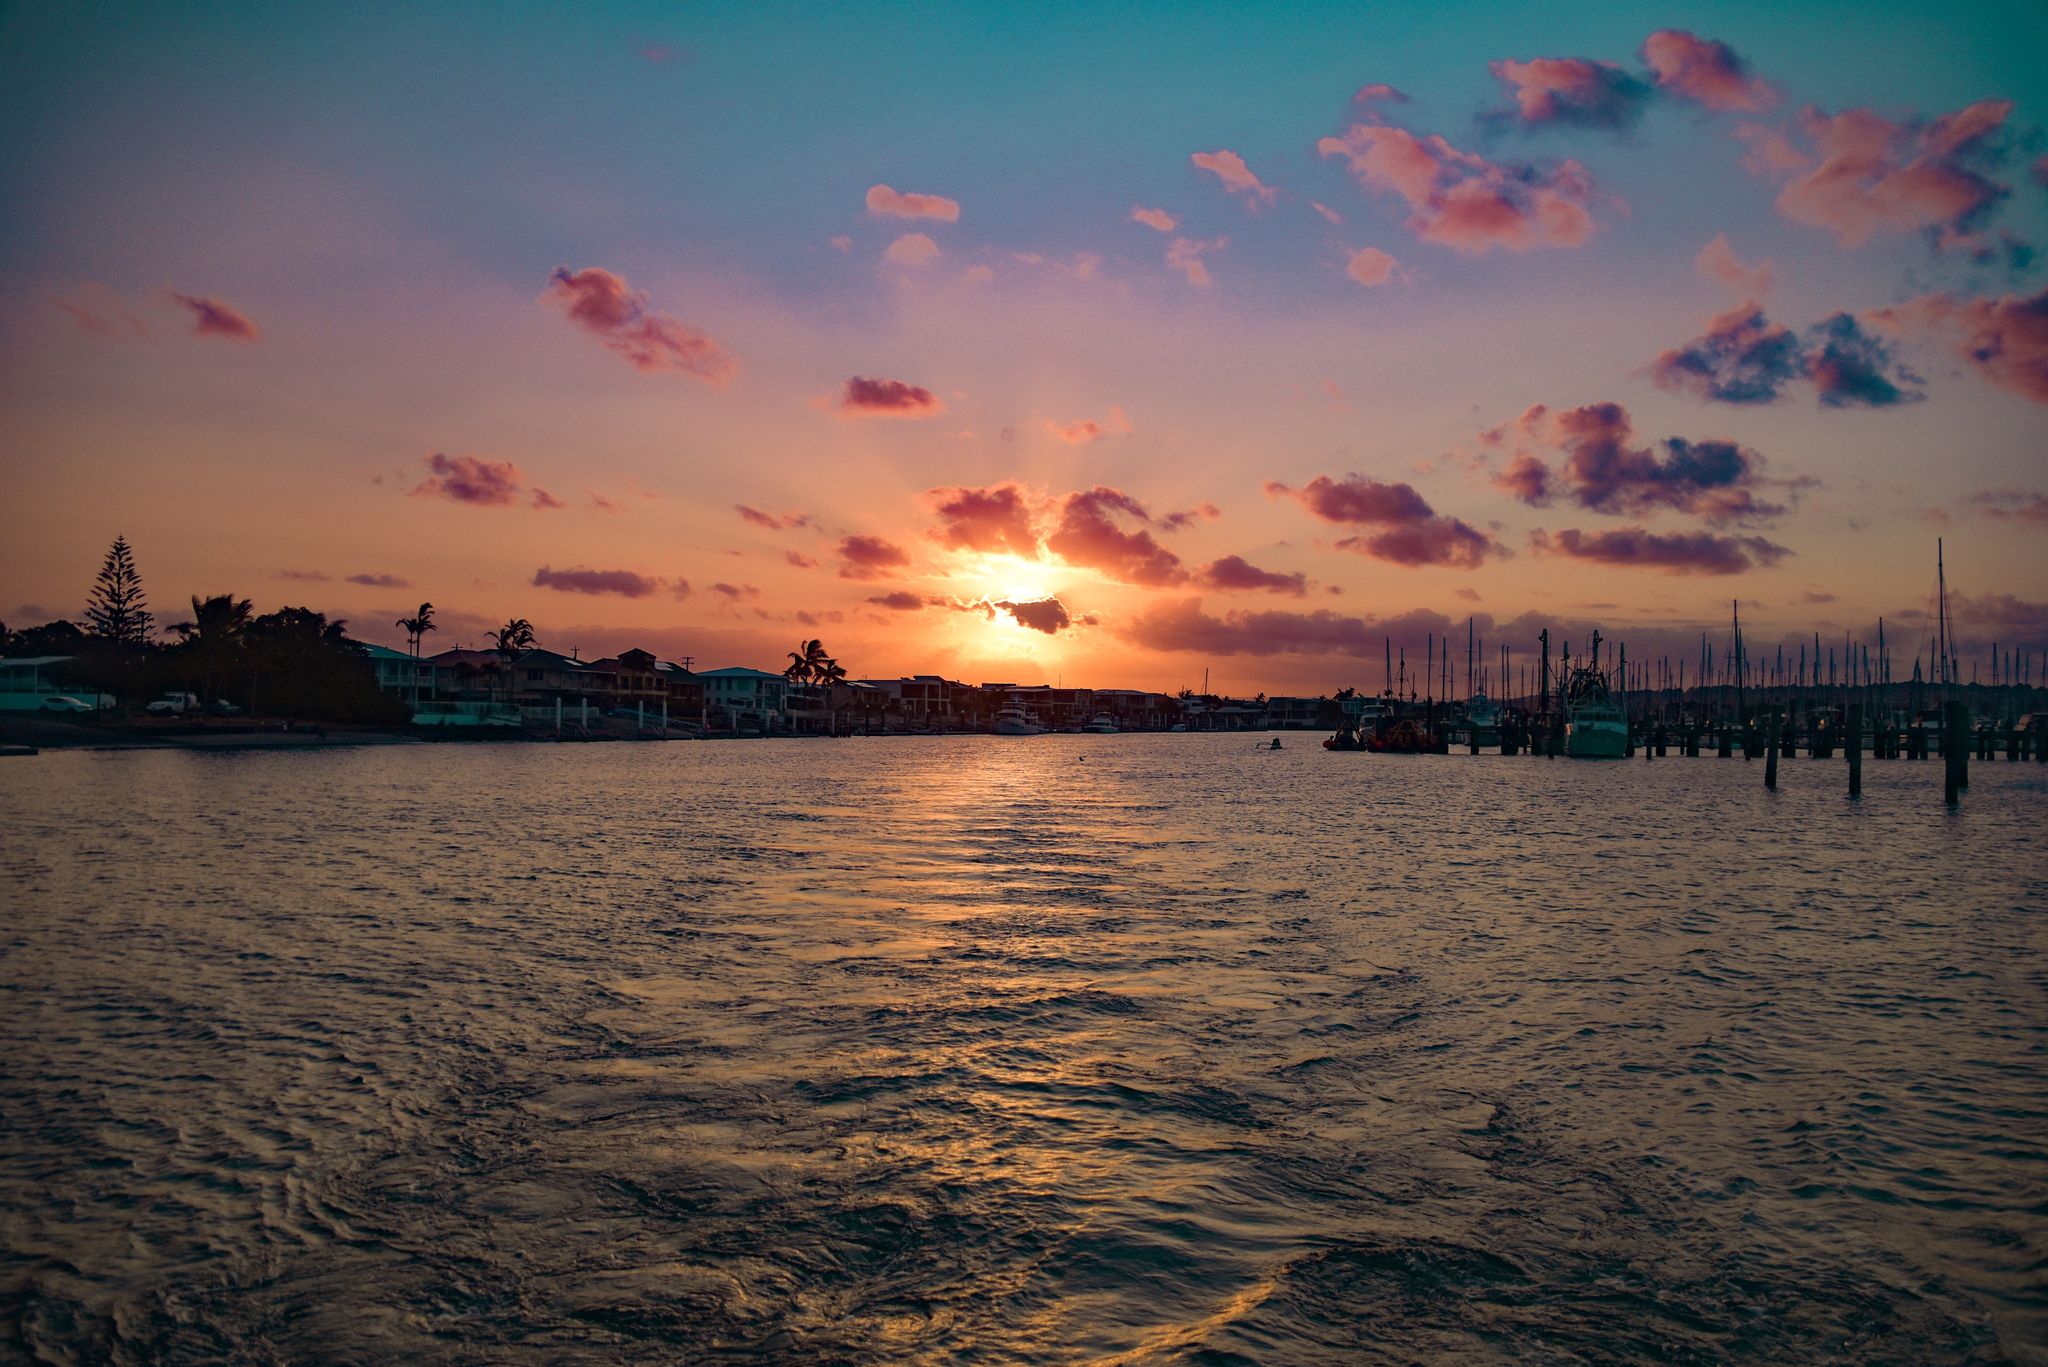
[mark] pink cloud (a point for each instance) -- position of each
(899, 601)
(619, 583)
(1233, 573)
(380, 581)
(1370, 266)
(772, 522)
(303, 576)
(1527, 479)
(546, 501)
(1089, 535)
(1573, 90)
(92, 324)
(468, 479)
(1673, 553)
(1229, 167)
(1411, 531)
(603, 305)
(1329, 215)
(884, 202)
(2004, 340)
(994, 520)
(1462, 200)
(1173, 522)
(1156, 219)
(1703, 70)
(869, 557)
(865, 398)
(212, 318)
(1086, 431)
(1185, 254)
(1378, 92)
(735, 592)
(800, 560)
(1866, 174)
(2013, 505)
(1717, 261)
(912, 249)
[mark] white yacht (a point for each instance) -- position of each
(1012, 720)
(1102, 724)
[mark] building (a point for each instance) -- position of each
(921, 702)
(399, 672)
(26, 681)
(746, 699)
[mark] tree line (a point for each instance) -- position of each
(293, 662)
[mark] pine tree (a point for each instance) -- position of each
(118, 611)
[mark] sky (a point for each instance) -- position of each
(1094, 344)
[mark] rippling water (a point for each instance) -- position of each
(1118, 1049)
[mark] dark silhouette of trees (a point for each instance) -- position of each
(805, 662)
(509, 640)
(297, 663)
(415, 627)
(213, 638)
(119, 610)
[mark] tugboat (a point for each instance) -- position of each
(1595, 725)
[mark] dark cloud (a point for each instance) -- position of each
(1671, 553)
(380, 581)
(621, 583)
(1606, 472)
(212, 318)
(1744, 358)
(1235, 573)
(1411, 531)
(888, 399)
(869, 557)
(469, 479)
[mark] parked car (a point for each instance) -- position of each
(63, 702)
(221, 707)
(173, 705)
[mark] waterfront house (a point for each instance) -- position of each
(26, 681)
(749, 699)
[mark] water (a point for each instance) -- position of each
(1061, 1049)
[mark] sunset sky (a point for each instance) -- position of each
(1094, 343)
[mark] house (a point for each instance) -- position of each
(27, 680)
(920, 701)
(399, 672)
(747, 698)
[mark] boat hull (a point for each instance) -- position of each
(1596, 741)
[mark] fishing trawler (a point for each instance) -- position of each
(1595, 723)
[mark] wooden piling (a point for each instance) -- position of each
(1771, 753)
(1953, 751)
(1854, 743)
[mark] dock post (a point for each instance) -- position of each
(1964, 737)
(1952, 741)
(2012, 742)
(558, 716)
(1773, 732)
(1854, 742)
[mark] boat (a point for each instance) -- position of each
(1012, 720)
(1482, 719)
(1595, 725)
(1101, 724)
(1407, 737)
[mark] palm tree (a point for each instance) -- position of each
(829, 674)
(417, 626)
(805, 661)
(215, 633)
(512, 638)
